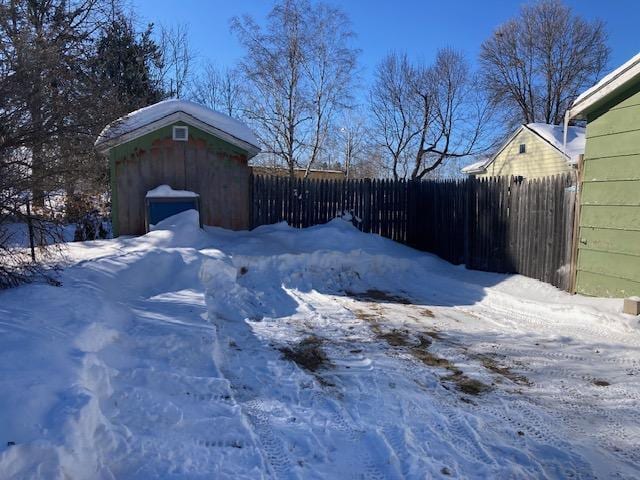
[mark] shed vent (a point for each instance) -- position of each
(181, 134)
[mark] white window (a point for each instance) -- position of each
(523, 148)
(181, 133)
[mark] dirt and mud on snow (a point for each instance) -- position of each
(316, 353)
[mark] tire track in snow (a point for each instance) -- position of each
(573, 404)
(548, 319)
(459, 432)
(359, 440)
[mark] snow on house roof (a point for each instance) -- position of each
(554, 135)
(144, 120)
(626, 72)
(476, 167)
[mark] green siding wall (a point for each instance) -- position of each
(609, 237)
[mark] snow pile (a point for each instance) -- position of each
(165, 191)
(182, 230)
(147, 115)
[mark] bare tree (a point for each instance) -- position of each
(425, 115)
(454, 116)
(273, 67)
(329, 64)
(300, 70)
(177, 57)
(352, 142)
(219, 89)
(394, 109)
(536, 64)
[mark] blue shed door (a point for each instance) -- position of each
(159, 208)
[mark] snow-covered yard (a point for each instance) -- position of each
(317, 353)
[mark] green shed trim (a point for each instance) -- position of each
(114, 196)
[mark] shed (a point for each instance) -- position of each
(608, 261)
(187, 147)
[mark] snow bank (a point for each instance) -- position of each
(332, 258)
(181, 230)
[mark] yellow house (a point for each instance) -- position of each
(534, 150)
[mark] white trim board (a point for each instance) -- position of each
(605, 87)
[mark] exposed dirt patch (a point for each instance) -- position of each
(462, 382)
(308, 354)
(378, 296)
(366, 316)
(428, 358)
(467, 385)
(395, 337)
(491, 364)
(418, 346)
(425, 312)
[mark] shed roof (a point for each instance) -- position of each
(605, 88)
(158, 115)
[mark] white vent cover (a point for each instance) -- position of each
(181, 133)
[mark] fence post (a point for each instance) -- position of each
(366, 214)
(573, 279)
(468, 184)
(31, 233)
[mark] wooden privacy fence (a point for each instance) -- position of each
(497, 224)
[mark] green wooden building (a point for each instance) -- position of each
(608, 260)
(183, 145)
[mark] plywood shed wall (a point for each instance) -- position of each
(204, 164)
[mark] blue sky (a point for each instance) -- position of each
(417, 27)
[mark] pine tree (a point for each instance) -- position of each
(128, 63)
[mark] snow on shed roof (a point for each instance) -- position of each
(140, 122)
(165, 191)
(554, 135)
(626, 72)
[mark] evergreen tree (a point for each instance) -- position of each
(128, 64)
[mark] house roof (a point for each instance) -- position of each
(147, 119)
(552, 134)
(605, 88)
